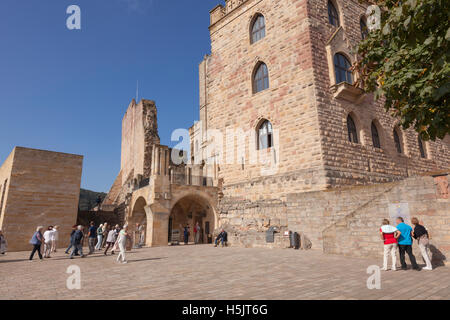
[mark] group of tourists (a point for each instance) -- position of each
(99, 238)
(47, 241)
(401, 238)
(104, 237)
(197, 233)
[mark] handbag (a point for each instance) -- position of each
(423, 240)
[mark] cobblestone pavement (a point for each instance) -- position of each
(205, 272)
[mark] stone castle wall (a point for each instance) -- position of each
(344, 220)
(349, 163)
(43, 189)
(139, 134)
(289, 102)
(304, 104)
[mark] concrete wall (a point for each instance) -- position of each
(44, 189)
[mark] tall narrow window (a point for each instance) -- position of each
(342, 69)
(265, 135)
(398, 144)
(351, 129)
(333, 15)
(261, 78)
(363, 27)
(258, 28)
(375, 136)
(421, 148)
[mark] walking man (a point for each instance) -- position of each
(92, 235)
(74, 229)
(405, 244)
(36, 241)
(99, 237)
(77, 242)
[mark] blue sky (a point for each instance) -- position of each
(67, 90)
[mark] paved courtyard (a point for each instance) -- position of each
(205, 272)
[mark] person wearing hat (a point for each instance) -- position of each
(389, 234)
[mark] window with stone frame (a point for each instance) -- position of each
(375, 136)
(397, 141)
(333, 15)
(265, 135)
(258, 30)
(351, 129)
(423, 153)
(260, 78)
(363, 28)
(342, 69)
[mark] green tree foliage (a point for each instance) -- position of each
(406, 61)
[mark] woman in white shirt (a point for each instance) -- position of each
(48, 236)
(121, 242)
(54, 236)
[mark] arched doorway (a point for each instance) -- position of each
(138, 216)
(188, 211)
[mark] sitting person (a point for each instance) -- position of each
(222, 237)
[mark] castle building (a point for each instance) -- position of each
(286, 141)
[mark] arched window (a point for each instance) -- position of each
(398, 144)
(261, 78)
(363, 28)
(375, 136)
(265, 135)
(351, 129)
(421, 148)
(342, 69)
(258, 30)
(333, 15)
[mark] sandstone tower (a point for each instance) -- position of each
(281, 70)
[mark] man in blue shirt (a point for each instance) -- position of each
(405, 244)
(92, 235)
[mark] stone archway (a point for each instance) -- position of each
(138, 216)
(188, 210)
